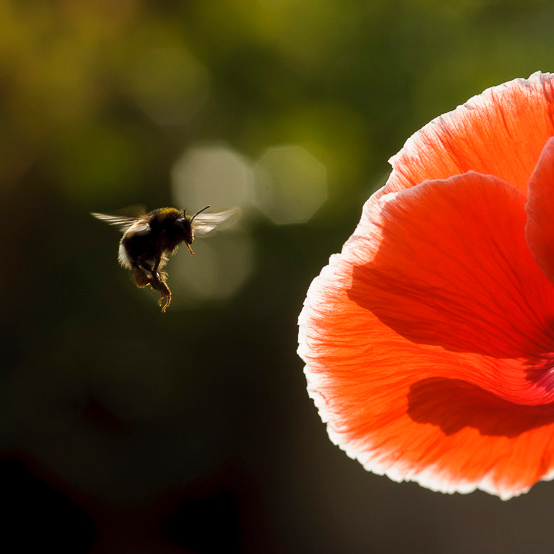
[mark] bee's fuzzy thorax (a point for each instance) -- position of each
(167, 213)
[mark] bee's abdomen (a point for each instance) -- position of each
(137, 246)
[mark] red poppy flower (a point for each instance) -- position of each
(429, 341)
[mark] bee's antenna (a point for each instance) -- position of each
(199, 212)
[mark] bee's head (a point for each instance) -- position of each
(185, 224)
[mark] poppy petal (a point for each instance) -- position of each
(540, 212)
(427, 341)
(500, 132)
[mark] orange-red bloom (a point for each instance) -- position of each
(429, 341)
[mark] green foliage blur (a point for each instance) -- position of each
(127, 411)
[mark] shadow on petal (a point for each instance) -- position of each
(453, 269)
(453, 404)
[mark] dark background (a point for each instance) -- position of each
(127, 430)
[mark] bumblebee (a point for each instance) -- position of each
(149, 238)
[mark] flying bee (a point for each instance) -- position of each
(149, 238)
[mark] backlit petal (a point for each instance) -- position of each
(428, 340)
(500, 132)
(540, 212)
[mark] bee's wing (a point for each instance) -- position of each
(205, 223)
(121, 221)
(124, 218)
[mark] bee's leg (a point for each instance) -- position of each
(146, 267)
(159, 261)
(156, 263)
(157, 282)
(140, 277)
(154, 275)
(165, 295)
(142, 273)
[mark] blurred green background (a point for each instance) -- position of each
(127, 430)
